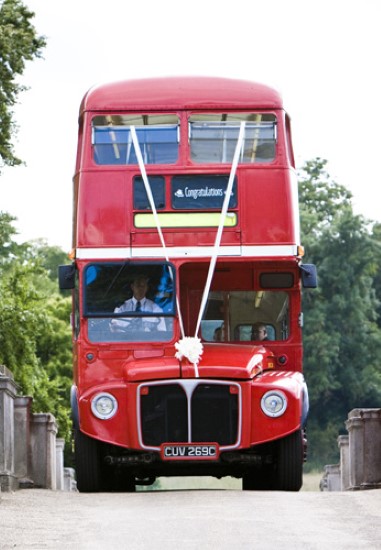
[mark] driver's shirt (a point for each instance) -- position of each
(145, 305)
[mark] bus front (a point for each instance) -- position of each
(187, 288)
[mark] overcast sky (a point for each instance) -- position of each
(323, 56)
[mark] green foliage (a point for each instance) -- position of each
(376, 238)
(342, 336)
(18, 43)
(41, 255)
(322, 446)
(35, 336)
(8, 247)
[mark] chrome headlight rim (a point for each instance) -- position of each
(107, 412)
(276, 409)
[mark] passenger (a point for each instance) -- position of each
(219, 334)
(138, 302)
(259, 332)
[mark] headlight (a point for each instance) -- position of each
(104, 406)
(274, 403)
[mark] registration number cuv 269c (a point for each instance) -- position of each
(189, 451)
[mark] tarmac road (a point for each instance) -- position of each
(219, 519)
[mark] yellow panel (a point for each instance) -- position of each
(185, 219)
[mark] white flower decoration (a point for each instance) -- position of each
(189, 347)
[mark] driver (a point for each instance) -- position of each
(137, 303)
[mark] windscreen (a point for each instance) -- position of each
(158, 137)
(213, 137)
(129, 302)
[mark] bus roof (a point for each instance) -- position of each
(177, 93)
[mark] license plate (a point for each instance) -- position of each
(189, 451)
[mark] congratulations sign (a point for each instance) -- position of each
(200, 192)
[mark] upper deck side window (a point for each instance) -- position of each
(213, 137)
(158, 137)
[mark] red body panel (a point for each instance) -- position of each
(245, 364)
(166, 94)
(105, 216)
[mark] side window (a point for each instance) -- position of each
(290, 150)
(246, 316)
(76, 320)
(255, 331)
(157, 184)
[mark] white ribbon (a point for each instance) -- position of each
(191, 348)
(224, 210)
(147, 186)
(187, 346)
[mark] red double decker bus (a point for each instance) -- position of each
(187, 275)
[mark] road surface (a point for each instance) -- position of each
(190, 519)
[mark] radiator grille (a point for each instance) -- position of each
(213, 409)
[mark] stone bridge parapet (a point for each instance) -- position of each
(31, 455)
(360, 454)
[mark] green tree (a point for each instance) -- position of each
(35, 336)
(320, 199)
(376, 237)
(19, 43)
(342, 337)
(9, 249)
(40, 254)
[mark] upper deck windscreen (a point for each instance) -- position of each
(212, 138)
(158, 137)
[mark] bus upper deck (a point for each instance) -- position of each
(187, 131)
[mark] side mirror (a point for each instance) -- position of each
(309, 275)
(66, 277)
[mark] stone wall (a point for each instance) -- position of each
(360, 454)
(30, 453)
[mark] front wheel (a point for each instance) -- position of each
(289, 474)
(87, 463)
